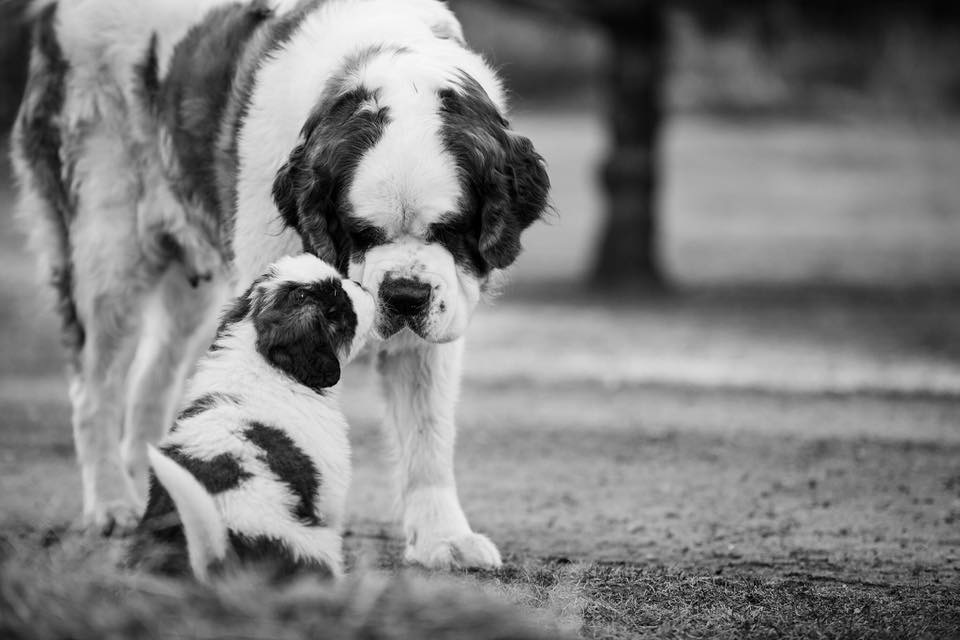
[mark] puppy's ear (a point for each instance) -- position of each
(515, 199)
(300, 347)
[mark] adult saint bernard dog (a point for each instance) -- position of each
(167, 152)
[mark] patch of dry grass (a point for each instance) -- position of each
(628, 601)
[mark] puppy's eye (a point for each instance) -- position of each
(300, 296)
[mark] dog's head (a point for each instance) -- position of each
(307, 318)
(408, 177)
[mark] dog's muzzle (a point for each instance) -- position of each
(405, 302)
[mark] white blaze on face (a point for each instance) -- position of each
(303, 268)
(365, 308)
(407, 181)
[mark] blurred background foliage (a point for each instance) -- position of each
(740, 57)
(803, 141)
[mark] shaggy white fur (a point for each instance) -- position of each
(263, 505)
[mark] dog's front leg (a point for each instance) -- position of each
(421, 383)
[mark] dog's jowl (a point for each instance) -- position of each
(168, 152)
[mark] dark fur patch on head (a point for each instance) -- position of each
(189, 105)
(272, 558)
(310, 190)
(363, 237)
(504, 180)
(147, 71)
(205, 403)
(333, 303)
(274, 35)
(38, 140)
(291, 465)
(301, 328)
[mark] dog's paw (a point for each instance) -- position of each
(112, 519)
(465, 551)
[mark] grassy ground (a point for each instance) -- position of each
(762, 462)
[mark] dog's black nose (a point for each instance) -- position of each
(405, 296)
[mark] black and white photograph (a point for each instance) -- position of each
(479, 319)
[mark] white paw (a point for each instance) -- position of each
(464, 551)
(112, 518)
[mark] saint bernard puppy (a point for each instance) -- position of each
(167, 152)
(257, 464)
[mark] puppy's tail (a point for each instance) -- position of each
(203, 527)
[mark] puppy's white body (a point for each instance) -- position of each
(262, 505)
(264, 482)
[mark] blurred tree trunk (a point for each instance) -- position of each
(14, 52)
(627, 255)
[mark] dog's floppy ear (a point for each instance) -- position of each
(291, 340)
(320, 197)
(516, 197)
(306, 201)
(285, 187)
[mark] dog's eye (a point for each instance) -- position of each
(300, 296)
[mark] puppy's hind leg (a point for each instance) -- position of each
(179, 322)
(203, 527)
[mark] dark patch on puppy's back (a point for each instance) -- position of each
(206, 402)
(291, 465)
(160, 524)
(218, 474)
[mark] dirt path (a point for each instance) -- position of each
(661, 509)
